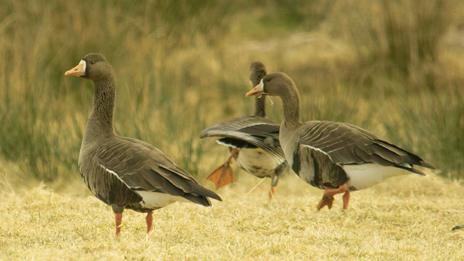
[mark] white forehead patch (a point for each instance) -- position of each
(261, 85)
(83, 64)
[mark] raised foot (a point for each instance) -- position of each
(223, 175)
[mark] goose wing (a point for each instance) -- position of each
(144, 168)
(319, 169)
(348, 144)
(248, 132)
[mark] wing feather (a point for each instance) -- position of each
(142, 167)
(348, 144)
(248, 132)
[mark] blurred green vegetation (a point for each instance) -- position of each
(393, 67)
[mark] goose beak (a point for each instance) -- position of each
(257, 90)
(78, 70)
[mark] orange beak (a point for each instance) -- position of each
(257, 90)
(78, 70)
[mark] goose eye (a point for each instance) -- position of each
(92, 62)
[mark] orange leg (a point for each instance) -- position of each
(328, 197)
(233, 153)
(272, 192)
(149, 220)
(346, 199)
(118, 223)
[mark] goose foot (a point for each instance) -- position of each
(327, 200)
(328, 197)
(118, 223)
(224, 174)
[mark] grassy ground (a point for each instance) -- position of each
(405, 218)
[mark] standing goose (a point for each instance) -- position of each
(125, 172)
(337, 157)
(253, 142)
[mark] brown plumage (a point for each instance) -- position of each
(334, 156)
(125, 172)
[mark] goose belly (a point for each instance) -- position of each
(257, 162)
(366, 175)
(154, 200)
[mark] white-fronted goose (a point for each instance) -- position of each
(125, 172)
(252, 140)
(337, 157)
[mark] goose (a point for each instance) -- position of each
(333, 156)
(253, 141)
(123, 172)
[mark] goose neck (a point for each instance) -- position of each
(260, 106)
(101, 119)
(291, 107)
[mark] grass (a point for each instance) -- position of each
(406, 218)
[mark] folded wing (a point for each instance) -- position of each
(143, 168)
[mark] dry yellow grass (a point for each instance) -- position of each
(407, 218)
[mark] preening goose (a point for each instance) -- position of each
(252, 140)
(337, 157)
(125, 172)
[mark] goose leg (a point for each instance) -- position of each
(117, 210)
(272, 191)
(275, 178)
(118, 223)
(327, 200)
(346, 199)
(328, 197)
(224, 175)
(149, 220)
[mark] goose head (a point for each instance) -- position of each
(273, 84)
(257, 72)
(93, 66)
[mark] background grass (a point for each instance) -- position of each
(393, 67)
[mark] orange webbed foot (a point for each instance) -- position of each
(222, 176)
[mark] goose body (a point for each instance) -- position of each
(334, 156)
(365, 160)
(258, 162)
(125, 172)
(252, 140)
(128, 173)
(257, 140)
